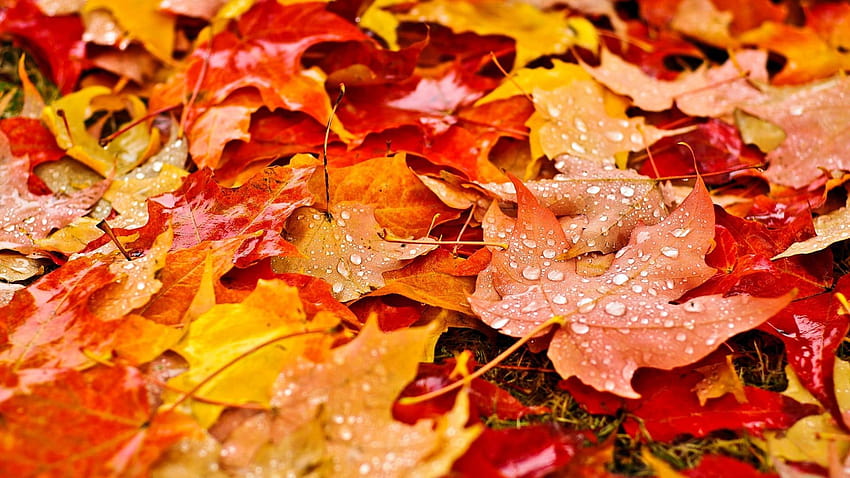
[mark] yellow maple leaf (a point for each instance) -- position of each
(143, 21)
(537, 33)
(236, 332)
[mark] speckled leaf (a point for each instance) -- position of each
(347, 401)
(606, 203)
(345, 251)
(573, 120)
(817, 130)
(201, 210)
(622, 319)
(26, 217)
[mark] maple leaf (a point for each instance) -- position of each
(61, 422)
(345, 250)
(58, 39)
(622, 319)
(226, 332)
(707, 91)
(572, 120)
(27, 217)
(606, 203)
(830, 228)
(201, 210)
(816, 131)
(342, 409)
(142, 21)
(536, 33)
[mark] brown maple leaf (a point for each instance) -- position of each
(344, 250)
(622, 319)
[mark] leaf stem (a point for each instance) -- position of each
(186, 395)
(556, 320)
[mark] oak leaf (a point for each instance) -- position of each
(622, 319)
(345, 250)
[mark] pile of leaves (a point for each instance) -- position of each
(443, 238)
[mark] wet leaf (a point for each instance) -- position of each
(344, 249)
(27, 217)
(624, 314)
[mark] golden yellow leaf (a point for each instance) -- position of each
(143, 21)
(123, 153)
(524, 80)
(141, 340)
(537, 33)
(227, 332)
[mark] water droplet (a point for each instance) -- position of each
(609, 385)
(549, 253)
(689, 350)
(681, 232)
(796, 110)
(669, 323)
(337, 287)
(615, 308)
(614, 135)
(531, 273)
(529, 243)
(585, 305)
(593, 190)
(637, 289)
(579, 328)
(559, 299)
(578, 148)
(670, 252)
(681, 336)
(555, 275)
(627, 191)
(620, 279)
(342, 269)
(500, 323)
(692, 306)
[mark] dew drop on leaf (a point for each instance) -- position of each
(531, 273)
(615, 308)
(579, 328)
(670, 252)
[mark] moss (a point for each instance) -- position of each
(530, 377)
(10, 55)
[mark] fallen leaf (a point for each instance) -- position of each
(808, 57)
(27, 217)
(142, 21)
(572, 120)
(719, 379)
(708, 91)
(344, 249)
(625, 313)
(61, 422)
(229, 332)
(348, 422)
(605, 203)
(816, 131)
(830, 228)
(536, 33)
(57, 39)
(201, 210)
